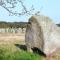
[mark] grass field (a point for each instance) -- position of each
(6, 54)
(9, 50)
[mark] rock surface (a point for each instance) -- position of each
(43, 34)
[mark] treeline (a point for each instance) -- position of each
(58, 25)
(13, 24)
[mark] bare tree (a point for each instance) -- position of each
(12, 5)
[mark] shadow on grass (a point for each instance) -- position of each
(23, 47)
(38, 51)
(35, 50)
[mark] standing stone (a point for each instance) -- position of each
(43, 34)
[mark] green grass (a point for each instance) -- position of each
(9, 51)
(6, 54)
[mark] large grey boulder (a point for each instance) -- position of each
(43, 34)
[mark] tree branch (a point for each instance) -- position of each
(4, 4)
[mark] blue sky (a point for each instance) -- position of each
(50, 8)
